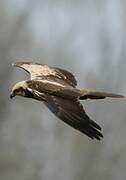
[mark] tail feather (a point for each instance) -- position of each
(92, 94)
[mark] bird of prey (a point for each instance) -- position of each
(57, 89)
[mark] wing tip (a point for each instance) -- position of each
(92, 132)
(97, 136)
(18, 64)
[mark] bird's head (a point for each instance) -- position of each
(19, 89)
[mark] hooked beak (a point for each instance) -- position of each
(12, 95)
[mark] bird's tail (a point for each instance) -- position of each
(93, 94)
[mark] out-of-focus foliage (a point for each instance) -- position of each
(87, 38)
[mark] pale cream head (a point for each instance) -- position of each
(18, 89)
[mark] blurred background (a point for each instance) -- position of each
(86, 37)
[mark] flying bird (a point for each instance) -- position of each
(57, 89)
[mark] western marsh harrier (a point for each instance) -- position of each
(57, 89)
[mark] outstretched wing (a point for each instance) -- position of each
(72, 113)
(41, 71)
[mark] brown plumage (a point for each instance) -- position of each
(57, 89)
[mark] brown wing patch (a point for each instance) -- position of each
(67, 76)
(72, 113)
